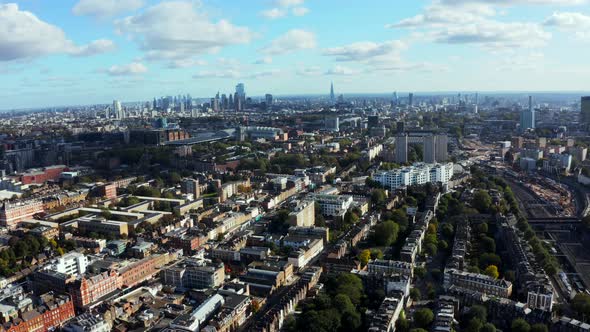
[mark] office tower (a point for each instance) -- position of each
(241, 97)
(373, 121)
(401, 149)
(230, 101)
(585, 110)
(118, 110)
(224, 102)
(215, 105)
(237, 102)
(332, 98)
(241, 90)
(430, 149)
(527, 117)
(394, 98)
(441, 147)
(332, 124)
(411, 99)
(268, 98)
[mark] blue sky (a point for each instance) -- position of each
(66, 52)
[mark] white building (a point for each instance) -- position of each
(72, 263)
(417, 174)
(333, 205)
(302, 256)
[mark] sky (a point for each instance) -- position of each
(79, 52)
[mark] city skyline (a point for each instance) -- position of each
(90, 52)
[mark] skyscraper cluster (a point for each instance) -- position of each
(235, 101)
(179, 102)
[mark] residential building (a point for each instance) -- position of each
(333, 205)
(417, 174)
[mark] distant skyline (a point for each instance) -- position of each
(81, 52)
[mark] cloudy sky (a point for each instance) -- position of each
(64, 52)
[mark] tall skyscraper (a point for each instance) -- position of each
(241, 90)
(527, 117)
(269, 100)
(215, 105)
(430, 149)
(118, 110)
(240, 96)
(411, 99)
(585, 110)
(401, 149)
(332, 97)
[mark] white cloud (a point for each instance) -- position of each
(134, 68)
(186, 63)
(178, 30)
(518, 2)
(291, 41)
(24, 36)
(472, 22)
(273, 13)
(300, 11)
(263, 61)
(309, 71)
(568, 20)
(342, 71)
(106, 8)
(364, 51)
(282, 7)
(235, 74)
(576, 24)
(96, 47)
(229, 73)
(264, 73)
(290, 3)
(437, 15)
(494, 34)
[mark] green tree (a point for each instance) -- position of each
(386, 233)
(447, 230)
(488, 259)
(488, 327)
(474, 325)
(402, 325)
(581, 304)
(423, 317)
(365, 256)
(539, 328)
(376, 254)
(415, 294)
(488, 244)
(420, 272)
(482, 201)
(378, 196)
(492, 271)
(520, 325)
(350, 285)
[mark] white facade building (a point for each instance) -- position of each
(333, 205)
(72, 263)
(417, 174)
